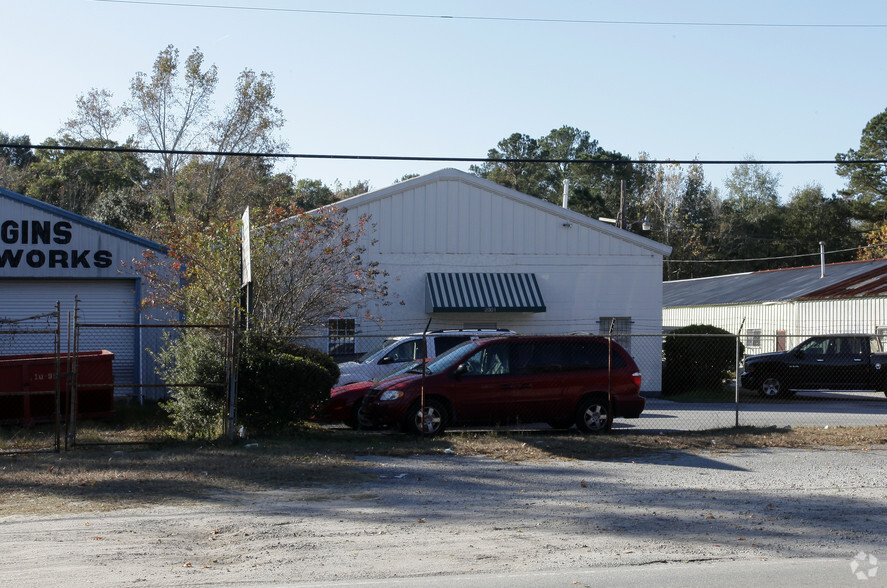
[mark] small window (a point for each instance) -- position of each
(341, 336)
(619, 327)
(753, 338)
(881, 332)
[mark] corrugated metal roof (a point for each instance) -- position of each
(855, 278)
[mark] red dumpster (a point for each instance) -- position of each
(28, 384)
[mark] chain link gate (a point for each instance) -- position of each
(33, 372)
(134, 377)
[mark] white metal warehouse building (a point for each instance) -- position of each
(466, 252)
(778, 309)
(50, 255)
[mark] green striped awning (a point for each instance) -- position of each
(475, 292)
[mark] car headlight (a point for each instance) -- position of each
(389, 395)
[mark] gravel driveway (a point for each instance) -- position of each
(461, 514)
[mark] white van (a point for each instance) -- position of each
(397, 351)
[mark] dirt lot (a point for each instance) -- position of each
(371, 507)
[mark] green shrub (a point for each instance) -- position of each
(195, 358)
(278, 383)
(278, 388)
(698, 363)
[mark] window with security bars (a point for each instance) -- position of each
(341, 336)
(753, 338)
(619, 327)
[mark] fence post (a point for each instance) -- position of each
(736, 380)
(232, 341)
(72, 378)
(58, 376)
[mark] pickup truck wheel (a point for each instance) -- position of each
(771, 387)
(593, 415)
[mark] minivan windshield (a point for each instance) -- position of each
(450, 358)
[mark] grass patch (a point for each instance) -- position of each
(96, 478)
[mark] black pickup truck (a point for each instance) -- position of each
(855, 362)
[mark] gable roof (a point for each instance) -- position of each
(81, 220)
(841, 280)
(568, 216)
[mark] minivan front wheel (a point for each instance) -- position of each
(593, 415)
(430, 422)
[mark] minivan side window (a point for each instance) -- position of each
(491, 360)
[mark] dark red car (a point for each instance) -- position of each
(568, 380)
(345, 402)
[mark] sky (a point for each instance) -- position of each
(770, 80)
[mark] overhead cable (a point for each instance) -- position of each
(340, 156)
(578, 21)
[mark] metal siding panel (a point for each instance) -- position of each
(439, 245)
(546, 221)
(458, 242)
(425, 231)
(385, 211)
(533, 238)
(392, 208)
(507, 236)
(408, 226)
(486, 212)
(497, 223)
(473, 222)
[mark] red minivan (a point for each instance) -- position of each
(560, 380)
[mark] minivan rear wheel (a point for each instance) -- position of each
(593, 415)
(430, 422)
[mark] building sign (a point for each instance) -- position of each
(47, 244)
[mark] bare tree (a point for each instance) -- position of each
(171, 111)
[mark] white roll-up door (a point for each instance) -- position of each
(99, 301)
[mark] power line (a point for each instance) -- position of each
(773, 258)
(578, 21)
(340, 156)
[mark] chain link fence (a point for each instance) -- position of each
(694, 382)
(718, 381)
(57, 373)
(143, 369)
(64, 382)
(33, 383)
